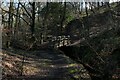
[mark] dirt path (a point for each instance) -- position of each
(45, 66)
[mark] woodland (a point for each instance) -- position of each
(60, 40)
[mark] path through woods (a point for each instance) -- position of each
(47, 65)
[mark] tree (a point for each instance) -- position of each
(86, 8)
(30, 16)
(17, 21)
(10, 25)
(33, 18)
(63, 16)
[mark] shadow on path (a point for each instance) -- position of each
(45, 66)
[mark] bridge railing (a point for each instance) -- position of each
(60, 40)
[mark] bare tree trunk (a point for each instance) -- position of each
(98, 5)
(86, 9)
(44, 34)
(63, 18)
(16, 23)
(10, 21)
(81, 7)
(38, 5)
(102, 3)
(33, 18)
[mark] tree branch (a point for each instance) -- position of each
(16, 15)
(26, 10)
